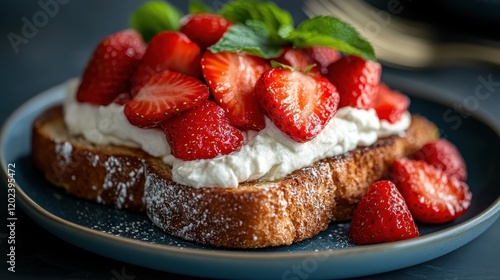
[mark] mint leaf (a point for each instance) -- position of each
(252, 38)
(275, 20)
(197, 7)
(331, 32)
(154, 17)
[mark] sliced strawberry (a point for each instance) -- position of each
(108, 71)
(231, 77)
(301, 60)
(324, 56)
(202, 132)
(443, 155)
(357, 81)
(204, 29)
(431, 195)
(298, 104)
(168, 51)
(390, 105)
(382, 216)
(165, 93)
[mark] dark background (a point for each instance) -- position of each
(60, 48)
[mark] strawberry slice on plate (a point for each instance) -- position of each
(204, 29)
(300, 59)
(431, 195)
(357, 80)
(231, 77)
(443, 155)
(165, 93)
(298, 104)
(390, 105)
(108, 71)
(168, 50)
(202, 132)
(382, 216)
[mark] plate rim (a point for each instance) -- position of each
(488, 215)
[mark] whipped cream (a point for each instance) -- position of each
(268, 154)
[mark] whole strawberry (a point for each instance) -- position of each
(443, 155)
(382, 216)
(357, 80)
(202, 132)
(297, 104)
(431, 195)
(108, 71)
(204, 29)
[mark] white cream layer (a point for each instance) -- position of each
(267, 155)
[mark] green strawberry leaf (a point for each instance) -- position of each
(153, 17)
(252, 38)
(275, 20)
(331, 32)
(197, 7)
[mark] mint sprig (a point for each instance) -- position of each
(331, 32)
(153, 17)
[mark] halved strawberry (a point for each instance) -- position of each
(202, 132)
(431, 195)
(356, 80)
(108, 71)
(204, 29)
(390, 105)
(298, 104)
(443, 155)
(300, 60)
(164, 94)
(324, 56)
(168, 51)
(231, 77)
(382, 216)
(122, 98)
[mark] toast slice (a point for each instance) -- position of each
(253, 215)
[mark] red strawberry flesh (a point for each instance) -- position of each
(431, 195)
(390, 105)
(231, 77)
(296, 103)
(166, 93)
(204, 29)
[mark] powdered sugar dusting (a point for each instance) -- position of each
(64, 150)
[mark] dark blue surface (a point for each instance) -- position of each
(59, 50)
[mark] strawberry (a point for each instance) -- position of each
(431, 195)
(168, 51)
(164, 94)
(122, 98)
(356, 80)
(443, 155)
(390, 105)
(202, 132)
(231, 77)
(109, 69)
(204, 29)
(298, 104)
(324, 56)
(382, 216)
(300, 60)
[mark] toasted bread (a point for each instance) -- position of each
(255, 214)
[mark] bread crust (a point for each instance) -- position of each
(253, 215)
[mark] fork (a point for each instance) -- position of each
(400, 42)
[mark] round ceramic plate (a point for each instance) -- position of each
(132, 238)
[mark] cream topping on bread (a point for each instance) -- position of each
(267, 155)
